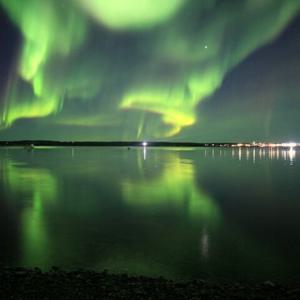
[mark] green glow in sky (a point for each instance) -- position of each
(130, 68)
(48, 33)
(131, 14)
(46, 29)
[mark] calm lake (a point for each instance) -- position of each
(173, 212)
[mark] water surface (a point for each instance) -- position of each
(179, 213)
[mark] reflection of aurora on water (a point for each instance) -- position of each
(172, 190)
(175, 188)
(36, 188)
(87, 64)
(154, 219)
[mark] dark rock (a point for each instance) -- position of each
(269, 283)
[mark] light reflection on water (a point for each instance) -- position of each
(261, 153)
(181, 213)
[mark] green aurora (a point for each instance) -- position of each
(127, 69)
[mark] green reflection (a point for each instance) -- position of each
(34, 188)
(175, 187)
(144, 213)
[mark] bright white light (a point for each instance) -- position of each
(145, 144)
(205, 47)
(292, 155)
(290, 145)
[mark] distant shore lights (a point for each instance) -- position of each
(289, 145)
(273, 150)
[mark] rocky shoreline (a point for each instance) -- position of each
(20, 283)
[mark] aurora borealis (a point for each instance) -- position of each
(149, 69)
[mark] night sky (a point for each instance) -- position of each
(185, 70)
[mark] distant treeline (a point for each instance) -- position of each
(111, 144)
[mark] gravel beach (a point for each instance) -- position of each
(20, 283)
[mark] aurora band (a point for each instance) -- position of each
(92, 63)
